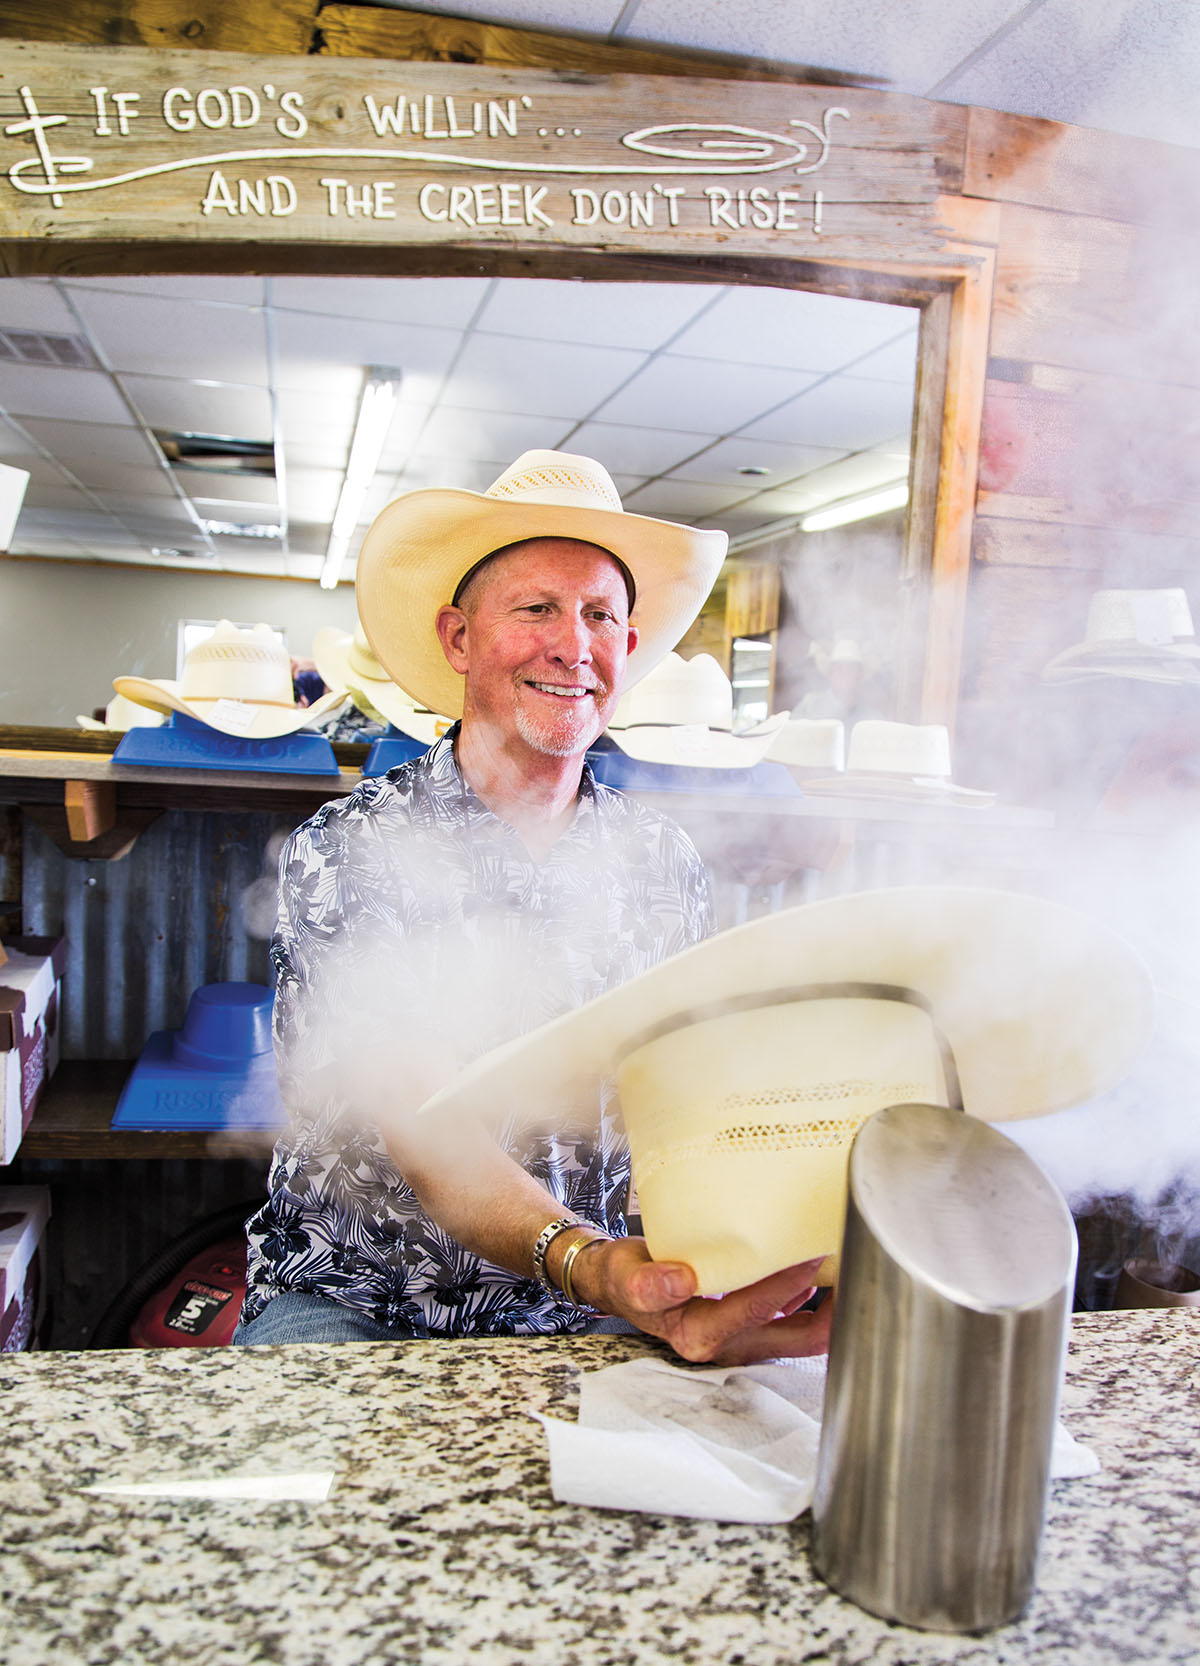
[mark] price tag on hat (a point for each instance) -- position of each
(234, 716)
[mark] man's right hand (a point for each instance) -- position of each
(758, 1322)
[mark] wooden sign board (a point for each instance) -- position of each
(133, 145)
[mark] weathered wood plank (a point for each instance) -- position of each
(344, 151)
(1113, 556)
(1079, 170)
(91, 808)
(362, 31)
(211, 25)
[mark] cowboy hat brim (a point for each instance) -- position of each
(696, 746)
(418, 549)
(263, 723)
(1041, 1007)
(376, 697)
(907, 789)
(1179, 673)
(1117, 651)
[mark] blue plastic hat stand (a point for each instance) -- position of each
(218, 1072)
(184, 743)
(391, 749)
(615, 768)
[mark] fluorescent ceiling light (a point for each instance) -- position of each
(857, 508)
(243, 529)
(375, 411)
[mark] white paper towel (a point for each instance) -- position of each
(734, 1444)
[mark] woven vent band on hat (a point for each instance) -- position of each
(552, 479)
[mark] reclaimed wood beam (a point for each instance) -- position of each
(216, 26)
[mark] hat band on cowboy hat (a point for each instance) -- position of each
(1040, 1008)
(418, 550)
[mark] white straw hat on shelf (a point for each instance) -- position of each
(121, 714)
(236, 681)
(346, 661)
(681, 712)
(907, 762)
(419, 549)
(805, 743)
(1143, 634)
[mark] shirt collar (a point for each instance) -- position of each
(446, 780)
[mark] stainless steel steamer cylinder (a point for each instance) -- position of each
(946, 1360)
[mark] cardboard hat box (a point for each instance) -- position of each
(30, 996)
(24, 1211)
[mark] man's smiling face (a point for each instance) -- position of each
(543, 640)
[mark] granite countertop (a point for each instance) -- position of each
(439, 1542)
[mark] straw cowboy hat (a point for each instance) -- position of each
(681, 712)
(909, 762)
(417, 551)
(120, 715)
(747, 1063)
(1143, 634)
(346, 661)
(237, 681)
(805, 743)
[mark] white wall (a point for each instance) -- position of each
(68, 627)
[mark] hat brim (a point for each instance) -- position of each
(266, 723)
(418, 549)
(669, 743)
(376, 697)
(1179, 673)
(907, 789)
(1042, 1007)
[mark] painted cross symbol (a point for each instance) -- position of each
(37, 126)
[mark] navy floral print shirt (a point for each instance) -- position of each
(410, 915)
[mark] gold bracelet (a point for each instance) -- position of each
(574, 1249)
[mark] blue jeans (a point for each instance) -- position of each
(296, 1316)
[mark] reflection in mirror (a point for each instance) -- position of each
(188, 441)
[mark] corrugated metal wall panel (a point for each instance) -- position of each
(145, 931)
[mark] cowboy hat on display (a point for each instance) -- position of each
(1143, 634)
(909, 762)
(347, 662)
(747, 1063)
(417, 551)
(237, 681)
(810, 743)
(681, 712)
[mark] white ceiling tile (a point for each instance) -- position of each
(185, 407)
(486, 436)
(681, 500)
(860, 473)
(83, 395)
(228, 490)
(501, 373)
(304, 566)
(307, 346)
(1131, 66)
(35, 304)
(312, 494)
(56, 495)
(897, 362)
(148, 335)
(156, 516)
(446, 302)
(311, 419)
(86, 526)
(640, 451)
(41, 472)
(454, 470)
(842, 412)
(308, 538)
(129, 482)
(598, 314)
(909, 43)
(680, 393)
(242, 292)
(791, 327)
(721, 463)
(91, 447)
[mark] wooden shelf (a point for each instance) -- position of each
(76, 1109)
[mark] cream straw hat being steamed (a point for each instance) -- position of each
(417, 551)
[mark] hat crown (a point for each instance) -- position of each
(811, 743)
(557, 477)
(1150, 617)
(884, 748)
(680, 692)
(225, 1023)
(234, 664)
(361, 659)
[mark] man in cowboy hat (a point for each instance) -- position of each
(466, 898)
